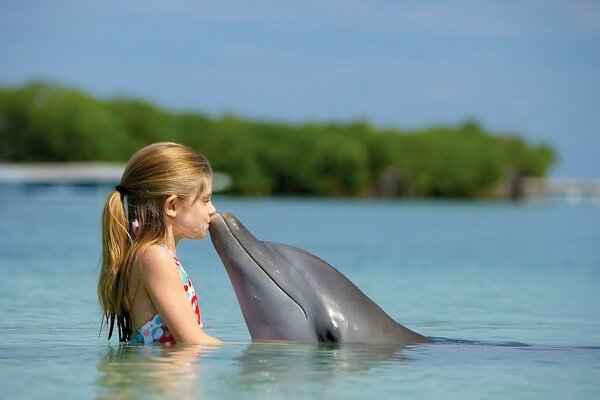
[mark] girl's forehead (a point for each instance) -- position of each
(208, 186)
(204, 185)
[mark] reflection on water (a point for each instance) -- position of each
(273, 361)
(258, 369)
(150, 371)
(278, 368)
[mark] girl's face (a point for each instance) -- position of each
(193, 215)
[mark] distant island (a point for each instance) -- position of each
(40, 122)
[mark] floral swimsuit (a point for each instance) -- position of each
(155, 330)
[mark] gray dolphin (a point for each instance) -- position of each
(288, 294)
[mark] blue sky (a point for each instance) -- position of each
(515, 66)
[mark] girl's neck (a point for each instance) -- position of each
(171, 241)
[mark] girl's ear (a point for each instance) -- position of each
(170, 206)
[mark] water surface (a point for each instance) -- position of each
(510, 291)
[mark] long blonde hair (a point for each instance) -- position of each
(153, 174)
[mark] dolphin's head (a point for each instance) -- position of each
(286, 293)
(266, 284)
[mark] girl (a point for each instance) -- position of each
(164, 196)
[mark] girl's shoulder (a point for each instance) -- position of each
(155, 257)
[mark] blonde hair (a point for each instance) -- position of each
(152, 175)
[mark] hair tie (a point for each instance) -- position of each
(122, 190)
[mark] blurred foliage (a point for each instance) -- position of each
(41, 122)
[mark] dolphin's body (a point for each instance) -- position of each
(288, 294)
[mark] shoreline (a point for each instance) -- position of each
(574, 190)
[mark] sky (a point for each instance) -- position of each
(530, 67)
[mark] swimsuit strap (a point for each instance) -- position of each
(168, 249)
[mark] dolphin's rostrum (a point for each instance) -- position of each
(288, 294)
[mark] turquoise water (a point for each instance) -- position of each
(511, 291)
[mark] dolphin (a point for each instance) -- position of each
(288, 294)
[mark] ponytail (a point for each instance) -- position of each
(116, 242)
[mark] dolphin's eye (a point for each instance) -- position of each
(329, 337)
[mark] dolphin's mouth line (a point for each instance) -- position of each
(262, 268)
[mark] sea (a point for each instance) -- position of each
(508, 291)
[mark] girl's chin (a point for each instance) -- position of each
(195, 234)
(200, 235)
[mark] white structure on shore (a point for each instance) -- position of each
(573, 190)
(78, 173)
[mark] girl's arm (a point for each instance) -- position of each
(163, 283)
